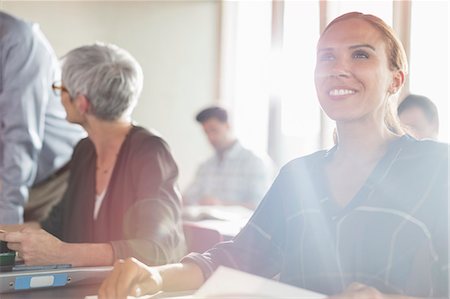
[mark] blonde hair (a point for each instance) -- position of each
(396, 56)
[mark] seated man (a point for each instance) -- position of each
(420, 117)
(234, 175)
(122, 198)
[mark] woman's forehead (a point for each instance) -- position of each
(350, 31)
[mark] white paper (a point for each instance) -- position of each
(226, 283)
(229, 283)
(160, 295)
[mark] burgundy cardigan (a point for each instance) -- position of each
(140, 214)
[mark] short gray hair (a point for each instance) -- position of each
(107, 75)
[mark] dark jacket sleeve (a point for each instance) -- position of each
(152, 226)
(53, 223)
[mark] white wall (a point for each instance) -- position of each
(176, 43)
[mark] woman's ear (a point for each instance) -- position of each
(82, 103)
(398, 79)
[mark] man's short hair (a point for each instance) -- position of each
(212, 112)
(422, 102)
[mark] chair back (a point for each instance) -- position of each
(200, 239)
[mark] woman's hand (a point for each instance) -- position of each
(18, 227)
(130, 277)
(361, 291)
(35, 246)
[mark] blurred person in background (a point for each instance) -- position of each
(419, 115)
(234, 175)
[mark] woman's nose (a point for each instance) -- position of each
(339, 69)
(336, 69)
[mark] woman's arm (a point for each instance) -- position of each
(87, 254)
(153, 231)
(37, 247)
(151, 225)
(131, 277)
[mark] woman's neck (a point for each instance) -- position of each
(108, 136)
(362, 142)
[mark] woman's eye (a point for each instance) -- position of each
(360, 55)
(326, 57)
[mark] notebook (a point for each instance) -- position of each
(22, 278)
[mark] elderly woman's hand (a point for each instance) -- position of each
(18, 227)
(130, 277)
(35, 246)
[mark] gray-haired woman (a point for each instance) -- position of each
(122, 199)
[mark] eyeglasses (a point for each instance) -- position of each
(58, 88)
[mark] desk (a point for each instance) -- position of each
(227, 220)
(228, 229)
(234, 219)
(71, 292)
(79, 292)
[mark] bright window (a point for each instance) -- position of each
(381, 9)
(300, 108)
(429, 57)
(250, 74)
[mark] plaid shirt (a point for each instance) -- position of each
(393, 235)
(240, 175)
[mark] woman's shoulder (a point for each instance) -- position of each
(83, 153)
(83, 146)
(310, 160)
(148, 139)
(424, 149)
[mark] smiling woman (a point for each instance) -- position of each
(358, 76)
(365, 219)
